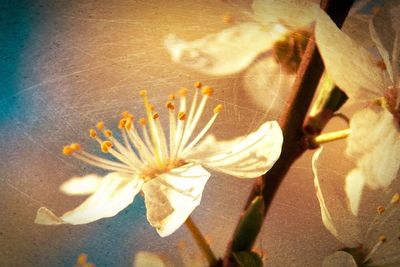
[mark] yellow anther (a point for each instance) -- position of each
(142, 121)
(169, 105)
(382, 238)
(155, 116)
(122, 123)
(380, 210)
(182, 91)
(92, 133)
(143, 93)
(128, 124)
(108, 133)
(67, 150)
(181, 115)
(125, 114)
(197, 85)
(100, 125)
(105, 146)
(171, 97)
(82, 259)
(395, 198)
(207, 90)
(151, 107)
(218, 109)
(75, 146)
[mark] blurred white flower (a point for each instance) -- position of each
(379, 245)
(172, 176)
(252, 47)
(375, 137)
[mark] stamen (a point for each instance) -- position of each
(142, 121)
(207, 91)
(218, 109)
(395, 199)
(105, 146)
(380, 210)
(382, 239)
(197, 85)
(155, 116)
(92, 133)
(181, 116)
(75, 146)
(121, 123)
(67, 150)
(100, 125)
(171, 97)
(182, 91)
(169, 105)
(108, 133)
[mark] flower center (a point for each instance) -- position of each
(148, 153)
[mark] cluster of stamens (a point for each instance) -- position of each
(148, 153)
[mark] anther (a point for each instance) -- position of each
(182, 91)
(380, 210)
(125, 114)
(105, 146)
(182, 116)
(395, 198)
(151, 107)
(67, 150)
(100, 125)
(143, 93)
(207, 90)
(75, 146)
(128, 124)
(122, 123)
(197, 85)
(155, 116)
(382, 238)
(92, 133)
(171, 97)
(218, 109)
(108, 133)
(169, 105)
(142, 121)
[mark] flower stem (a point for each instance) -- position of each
(201, 241)
(329, 137)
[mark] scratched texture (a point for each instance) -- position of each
(67, 64)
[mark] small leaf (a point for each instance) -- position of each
(249, 226)
(248, 259)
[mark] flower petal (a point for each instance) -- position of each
(266, 80)
(325, 214)
(293, 13)
(348, 63)
(171, 197)
(374, 141)
(114, 193)
(385, 33)
(85, 185)
(354, 188)
(229, 51)
(245, 157)
(339, 258)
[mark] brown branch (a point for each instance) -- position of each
(292, 120)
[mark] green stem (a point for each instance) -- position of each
(201, 241)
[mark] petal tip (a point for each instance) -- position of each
(45, 216)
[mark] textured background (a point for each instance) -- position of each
(66, 64)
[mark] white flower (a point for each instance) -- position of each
(375, 136)
(249, 46)
(171, 177)
(378, 245)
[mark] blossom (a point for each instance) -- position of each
(374, 140)
(378, 245)
(266, 49)
(172, 177)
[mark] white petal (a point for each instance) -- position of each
(266, 80)
(229, 51)
(114, 194)
(294, 13)
(385, 33)
(245, 157)
(375, 143)
(339, 258)
(325, 214)
(354, 188)
(81, 185)
(171, 197)
(148, 259)
(349, 64)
